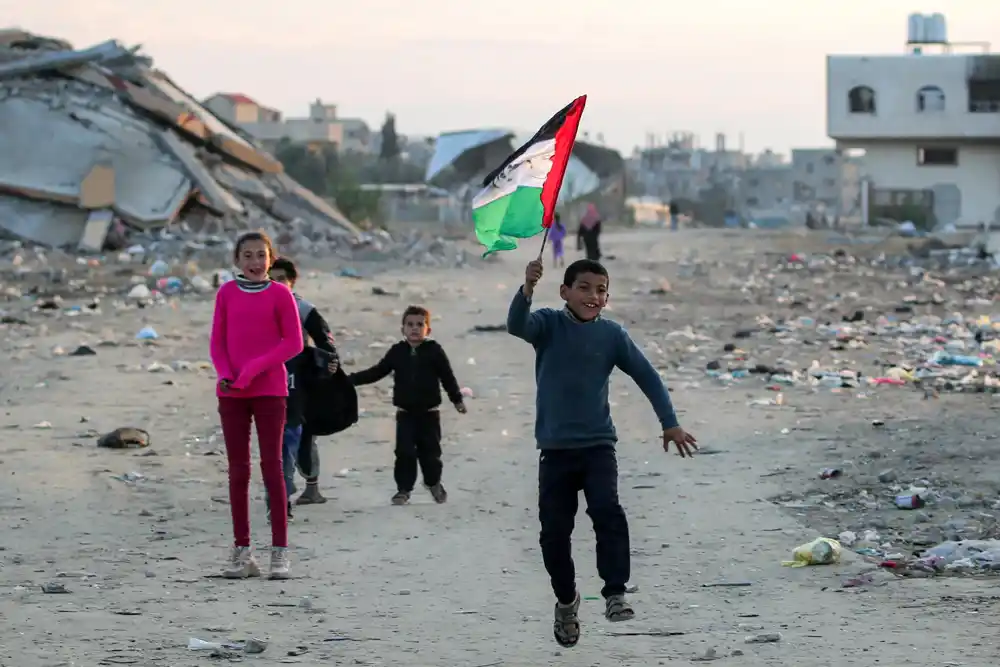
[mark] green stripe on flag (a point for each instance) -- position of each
(516, 216)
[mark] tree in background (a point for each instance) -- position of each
(324, 172)
(390, 140)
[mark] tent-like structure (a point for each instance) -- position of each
(462, 159)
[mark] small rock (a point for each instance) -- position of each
(54, 588)
(887, 476)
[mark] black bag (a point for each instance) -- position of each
(330, 401)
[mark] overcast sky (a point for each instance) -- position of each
(705, 66)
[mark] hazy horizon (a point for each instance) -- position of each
(440, 65)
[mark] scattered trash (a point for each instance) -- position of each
(147, 333)
(54, 588)
(766, 638)
(909, 501)
(821, 551)
(250, 646)
(127, 437)
(728, 584)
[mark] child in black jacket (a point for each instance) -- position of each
(301, 450)
(419, 367)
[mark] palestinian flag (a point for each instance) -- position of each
(519, 197)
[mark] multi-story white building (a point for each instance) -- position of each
(928, 120)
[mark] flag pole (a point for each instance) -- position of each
(545, 238)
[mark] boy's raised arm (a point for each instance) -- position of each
(635, 364)
(521, 322)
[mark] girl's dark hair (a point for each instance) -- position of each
(254, 236)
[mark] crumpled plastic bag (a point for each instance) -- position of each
(821, 551)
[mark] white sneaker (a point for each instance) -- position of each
(241, 564)
(280, 564)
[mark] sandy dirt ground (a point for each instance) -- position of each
(135, 537)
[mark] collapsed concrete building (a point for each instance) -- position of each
(97, 139)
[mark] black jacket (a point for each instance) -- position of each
(330, 403)
(418, 373)
(313, 327)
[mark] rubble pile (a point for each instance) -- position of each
(105, 157)
(920, 319)
(98, 145)
(878, 351)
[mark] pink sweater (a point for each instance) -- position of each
(253, 334)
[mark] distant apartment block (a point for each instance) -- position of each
(322, 126)
(928, 121)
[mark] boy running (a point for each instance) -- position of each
(419, 367)
(575, 352)
(299, 445)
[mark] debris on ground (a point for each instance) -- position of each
(107, 157)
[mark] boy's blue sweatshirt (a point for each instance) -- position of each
(573, 363)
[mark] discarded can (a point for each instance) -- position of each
(909, 501)
(830, 473)
(766, 638)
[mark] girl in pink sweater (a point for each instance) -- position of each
(255, 330)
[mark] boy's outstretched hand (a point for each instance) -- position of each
(686, 443)
(532, 274)
(461, 408)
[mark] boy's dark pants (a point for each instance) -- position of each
(562, 474)
(307, 456)
(418, 442)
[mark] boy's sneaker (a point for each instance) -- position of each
(280, 565)
(438, 492)
(617, 608)
(566, 626)
(401, 498)
(241, 564)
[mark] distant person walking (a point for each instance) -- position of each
(588, 236)
(675, 212)
(557, 237)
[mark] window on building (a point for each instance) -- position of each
(937, 156)
(829, 182)
(930, 99)
(829, 160)
(861, 99)
(810, 168)
(753, 201)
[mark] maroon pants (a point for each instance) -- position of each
(268, 413)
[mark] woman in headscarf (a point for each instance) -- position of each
(589, 234)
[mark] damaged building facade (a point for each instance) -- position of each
(98, 139)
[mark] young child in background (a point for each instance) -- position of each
(557, 237)
(419, 367)
(575, 352)
(300, 444)
(255, 330)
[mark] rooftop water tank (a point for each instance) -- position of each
(916, 32)
(935, 29)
